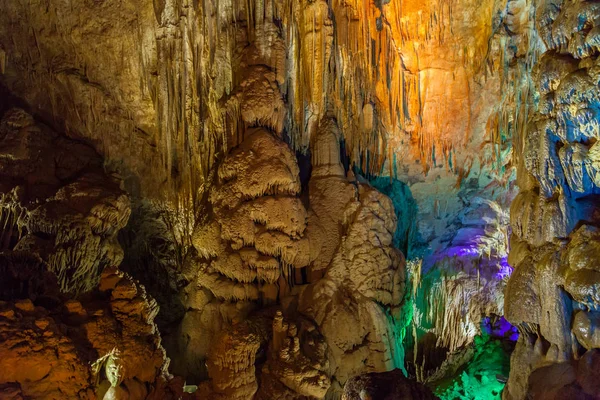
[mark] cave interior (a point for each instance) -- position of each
(299, 199)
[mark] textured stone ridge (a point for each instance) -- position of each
(239, 131)
(60, 214)
(62, 349)
(392, 385)
(552, 296)
(57, 202)
(165, 91)
(328, 264)
(274, 269)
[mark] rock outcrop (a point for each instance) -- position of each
(554, 219)
(102, 347)
(330, 264)
(71, 324)
(57, 202)
(264, 243)
(392, 385)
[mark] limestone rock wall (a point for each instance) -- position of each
(71, 324)
(200, 108)
(465, 284)
(554, 218)
(57, 202)
(101, 347)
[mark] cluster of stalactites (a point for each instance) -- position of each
(364, 62)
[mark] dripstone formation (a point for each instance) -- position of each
(299, 199)
(554, 244)
(72, 324)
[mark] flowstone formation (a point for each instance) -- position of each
(392, 385)
(464, 285)
(262, 267)
(331, 263)
(56, 202)
(554, 246)
(60, 216)
(56, 348)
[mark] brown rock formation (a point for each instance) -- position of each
(83, 349)
(250, 253)
(392, 385)
(57, 202)
(61, 214)
(551, 295)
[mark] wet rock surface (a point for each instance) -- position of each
(551, 295)
(72, 325)
(392, 385)
(57, 202)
